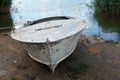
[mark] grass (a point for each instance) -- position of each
(77, 70)
(13, 79)
(95, 36)
(108, 6)
(81, 68)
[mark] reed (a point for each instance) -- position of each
(5, 2)
(5, 6)
(108, 6)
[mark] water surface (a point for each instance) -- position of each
(106, 26)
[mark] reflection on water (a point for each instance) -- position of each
(6, 20)
(108, 23)
(107, 26)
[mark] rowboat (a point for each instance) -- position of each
(49, 40)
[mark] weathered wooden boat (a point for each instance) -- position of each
(50, 40)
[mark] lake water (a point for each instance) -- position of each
(106, 26)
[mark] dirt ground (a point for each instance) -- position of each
(15, 64)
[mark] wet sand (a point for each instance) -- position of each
(15, 64)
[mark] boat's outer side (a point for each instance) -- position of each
(54, 30)
(53, 53)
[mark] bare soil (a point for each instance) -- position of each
(15, 64)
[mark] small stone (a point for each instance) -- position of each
(3, 72)
(118, 45)
(15, 61)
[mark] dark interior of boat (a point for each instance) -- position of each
(50, 19)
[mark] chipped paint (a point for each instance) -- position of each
(50, 49)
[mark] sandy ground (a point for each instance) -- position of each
(15, 64)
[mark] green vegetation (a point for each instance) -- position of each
(5, 2)
(77, 70)
(95, 36)
(108, 6)
(81, 68)
(5, 6)
(108, 23)
(6, 20)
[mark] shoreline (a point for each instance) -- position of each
(103, 56)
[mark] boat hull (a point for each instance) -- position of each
(52, 53)
(49, 40)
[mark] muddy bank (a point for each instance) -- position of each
(104, 57)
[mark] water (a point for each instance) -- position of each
(32, 10)
(106, 26)
(109, 26)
